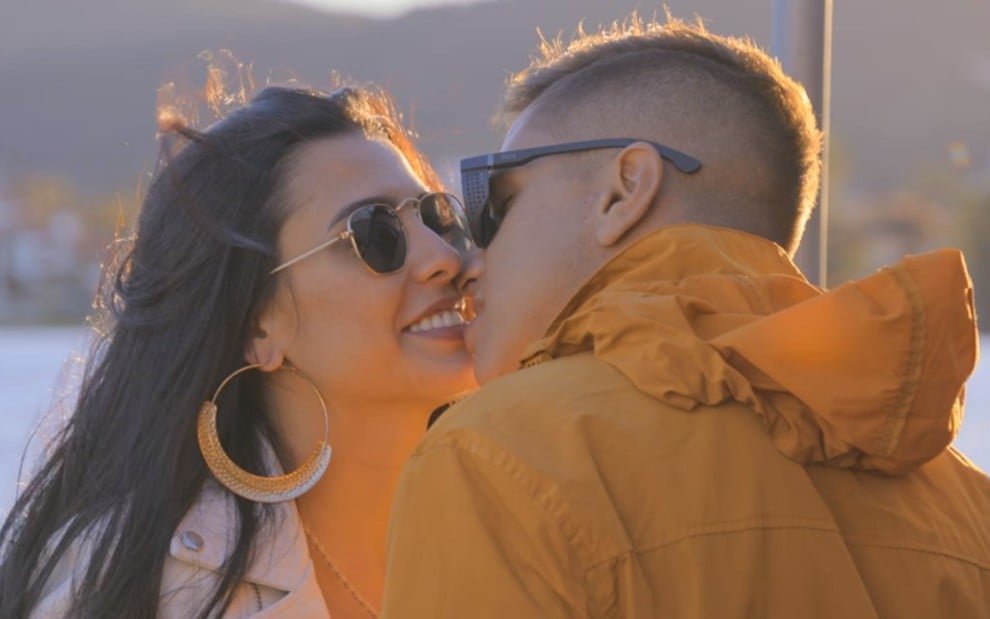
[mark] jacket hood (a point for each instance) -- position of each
(868, 375)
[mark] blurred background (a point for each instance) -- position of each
(79, 83)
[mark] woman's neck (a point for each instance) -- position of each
(347, 510)
(357, 489)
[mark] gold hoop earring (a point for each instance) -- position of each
(257, 487)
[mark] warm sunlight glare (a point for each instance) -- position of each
(377, 8)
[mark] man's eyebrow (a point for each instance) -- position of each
(353, 206)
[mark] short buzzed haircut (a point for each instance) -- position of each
(720, 99)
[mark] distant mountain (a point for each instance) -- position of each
(78, 79)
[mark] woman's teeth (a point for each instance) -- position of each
(447, 318)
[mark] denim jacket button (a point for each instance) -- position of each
(192, 540)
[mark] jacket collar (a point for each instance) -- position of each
(665, 262)
(869, 375)
(207, 534)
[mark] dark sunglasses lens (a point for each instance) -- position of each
(474, 186)
(379, 238)
(443, 214)
(487, 227)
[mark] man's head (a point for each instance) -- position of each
(705, 98)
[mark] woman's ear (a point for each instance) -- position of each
(635, 176)
(264, 347)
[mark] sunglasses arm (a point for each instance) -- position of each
(307, 254)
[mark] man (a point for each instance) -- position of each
(673, 422)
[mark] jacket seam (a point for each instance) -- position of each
(546, 495)
(918, 547)
(732, 526)
(894, 426)
(740, 526)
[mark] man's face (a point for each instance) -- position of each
(532, 266)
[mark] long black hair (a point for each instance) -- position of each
(177, 309)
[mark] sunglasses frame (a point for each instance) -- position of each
(477, 173)
(348, 233)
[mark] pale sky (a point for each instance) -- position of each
(378, 8)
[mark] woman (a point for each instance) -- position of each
(293, 270)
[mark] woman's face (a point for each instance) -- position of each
(361, 336)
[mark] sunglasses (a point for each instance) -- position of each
(377, 236)
(477, 173)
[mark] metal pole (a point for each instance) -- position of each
(802, 40)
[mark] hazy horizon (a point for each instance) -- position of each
(379, 8)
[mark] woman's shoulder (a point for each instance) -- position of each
(279, 577)
(207, 534)
(279, 574)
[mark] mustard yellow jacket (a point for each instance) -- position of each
(702, 433)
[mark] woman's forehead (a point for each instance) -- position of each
(337, 171)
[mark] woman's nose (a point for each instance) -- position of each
(433, 259)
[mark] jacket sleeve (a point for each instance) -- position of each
(473, 535)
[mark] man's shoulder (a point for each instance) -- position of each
(568, 422)
(538, 399)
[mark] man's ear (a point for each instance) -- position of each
(635, 176)
(264, 347)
